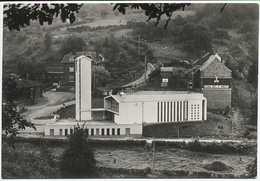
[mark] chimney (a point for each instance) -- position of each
(83, 88)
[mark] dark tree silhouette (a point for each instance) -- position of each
(78, 159)
(154, 10)
(12, 121)
(17, 16)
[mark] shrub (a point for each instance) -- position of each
(78, 159)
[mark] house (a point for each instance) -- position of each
(55, 73)
(210, 76)
(173, 77)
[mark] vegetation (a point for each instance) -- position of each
(12, 121)
(78, 159)
(28, 161)
(122, 59)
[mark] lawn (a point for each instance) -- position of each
(31, 160)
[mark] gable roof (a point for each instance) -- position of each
(215, 68)
(211, 66)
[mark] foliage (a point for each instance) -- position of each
(154, 10)
(122, 58)
(252, 169)
(29, 161)
(102, 76)
(12, 121)
(78, 159)
(72, 44)
(17, 16)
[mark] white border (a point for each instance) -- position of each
(113, 2)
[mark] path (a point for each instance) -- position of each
(141, 80)
(55, 101)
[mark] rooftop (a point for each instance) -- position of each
(148, 96)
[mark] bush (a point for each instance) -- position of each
(78, 159)
(218, 166)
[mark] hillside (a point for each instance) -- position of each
(191, 33)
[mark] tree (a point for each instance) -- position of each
(17, 16)
(72, 44)
(12, 121)
(78, 159)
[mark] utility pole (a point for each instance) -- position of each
(138, 46)
(153, 153)
(145, 68)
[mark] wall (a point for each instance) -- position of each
(218, 98)
(130, 112)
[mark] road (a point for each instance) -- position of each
(54, 101)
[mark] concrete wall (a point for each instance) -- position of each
(218, 98)
(130, 113)
(83, 88)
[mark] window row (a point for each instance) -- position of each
(172, 111)
(91, 131)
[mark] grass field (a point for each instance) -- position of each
(29, 160)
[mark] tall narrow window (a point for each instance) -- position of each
(174, 115)
(118, 131)
(180, 110)
(102, 131)
(60, 132)
(161, 111)
(171, 112)
(183, 105)
(164, 109)
(92, 132)
(108, 131)
(113, 131)
(187, 110)
(168, 111)
(66, 132)
(158, 115)
(177, 110)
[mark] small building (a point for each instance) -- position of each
(173, 77)
(55, 73)
(156, 107)
(213, 78)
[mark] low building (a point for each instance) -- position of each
(156, 107)
(94, 128)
